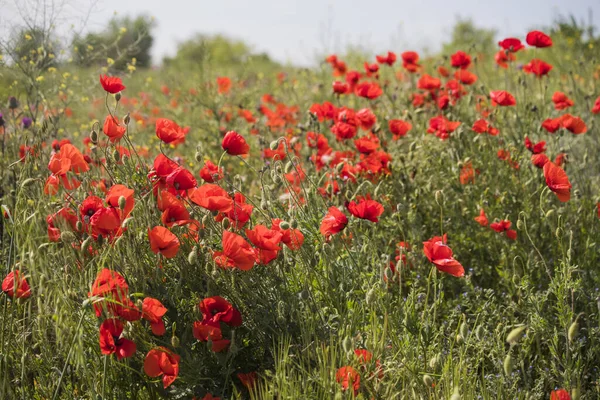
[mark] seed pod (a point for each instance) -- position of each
(515, 335)
(118, 96)
(455, 395)
(198, 156)
(428, 380)
(122, 202)
(573, 330)
(94, 136)
(284, 225)
(508, 364)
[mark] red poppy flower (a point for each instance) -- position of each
(365, 118)
(511, 44)
(235, 144)
(224, 84)
(205, 331)
(216, 309)
(367, 144)
(537, 67)
(503, 57)
(106, 222)
(537, 148)
(153, 311)
(428, 82)
(15, 285)
(115, 193)
(348, 377)
(410, 61)
(292, 238)
(538, 39)
(62, 219)
(334, 222)
(162, 361)
(460, 59)
(111, 84)
(113, 129)
(465, 77)
(552, 125)
(560, 394)
(482, 126)
(366, 208)
(111, 341)
(181, 179)
(248, 380)
(482, 218)
(440, 255)
(211, 197)
(539, 160)
(368, 90)
(168, 131)
(340, 87)
(266, 241)
(399, 128)
(237, 253)
(558, 181)
(372, 69)
(163, 241)
(596, 107)
(560, 159)
(502, 98)
(467, 173)
(442, 127)
(504, 226)
(561, 101)
(210, 172)
(388, 59)
(573, 124)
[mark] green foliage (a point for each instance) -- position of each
(466, 36)
(122, 40)
(34, 46)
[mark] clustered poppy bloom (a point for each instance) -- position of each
(215, 310)
(162, 362)
(560, 394)
(112, 84)
(348, 377)
(504, 227)
(15, 285)
(482, 218)
(502, 98)
(441, 256)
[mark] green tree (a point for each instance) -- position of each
(466, 36)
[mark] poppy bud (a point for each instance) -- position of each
(67, 237)
(428, 380)
(508, 364)
(86, 243)
(226, 223)
(122, 202)
(304, 294)
(78, 226)
(94, 136)
(515, 335)
(274, 144)
(174, 341)
(370, 296)
(264, 204)
(479, 332)
(288, 167)
(100, 240)
(464, 329)
(439, 197)
(284, 225)
(118, 96)
(520, 224)
(214, 213)
(347, 344)
(434, 362)
(558, 232)
(387, 272)
(205, 220)
(139, 303)
(198, 156)
(127, 119)
(573, 330)
(460, 339)
(116, 155)
(193, 256)
(294, 224)
(575, 394)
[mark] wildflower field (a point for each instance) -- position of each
(397, 227)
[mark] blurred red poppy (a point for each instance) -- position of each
(558, 181)
(538, 39)
(333, 222)
(162, 361)
(348, 377)
(504, 226)
(168, 131)
(111, 341)
(502, 98)
(235, 144)
(481, 218)
(163, 241)
(111, 84)
(366, 208)
(237, 253)
(460, 59)
(15, 285)
(153, 311)
(441, 256)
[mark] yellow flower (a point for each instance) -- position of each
(110, 61)
(130, 67)
(39, 78)
(123, 30)
(28, 37)
(90, 47)
(52, 69)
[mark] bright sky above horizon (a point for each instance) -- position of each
(296, 31)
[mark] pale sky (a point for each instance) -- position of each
(296, 31)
